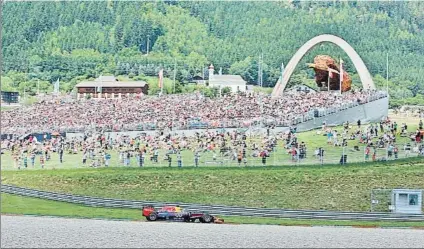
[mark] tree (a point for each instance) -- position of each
(67, 40)
(296, 79)
(226, 90)
(247, 69)
(168, 85)
(7, 84)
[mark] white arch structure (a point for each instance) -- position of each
(362, 70)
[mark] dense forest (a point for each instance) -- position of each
(71, 41)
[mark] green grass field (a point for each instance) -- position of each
(344, 188)
(18, 205)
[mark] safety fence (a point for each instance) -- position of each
(212, 209)
(277, 156)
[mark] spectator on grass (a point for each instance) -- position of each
(245, 161)
(84, 157)
(156, 155)
(263, 155)
(367, 152)
(126, 157)
(390, 149)
(321, 155)
(239, 158)
(61, 155)
(169, 159)
(395, 128)
(25, 161)
(179, 160)
(418, 136)
(107, 158)
(32, 158)
(42, 160)
(196, 159)
(329, 136)
(395, 151)
(140, 158)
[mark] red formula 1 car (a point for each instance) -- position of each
(177, 214)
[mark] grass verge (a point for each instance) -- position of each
(344, 188)
(18, 205)
(14, 204)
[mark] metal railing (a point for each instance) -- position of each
(277, 156)
(212, 209)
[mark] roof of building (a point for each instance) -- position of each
(227, 79)
(110, 81)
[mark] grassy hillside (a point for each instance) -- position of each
(326, 187)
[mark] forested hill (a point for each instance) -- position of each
(77, 40)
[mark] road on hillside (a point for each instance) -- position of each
(31, 232)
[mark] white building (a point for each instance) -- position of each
(235, 82)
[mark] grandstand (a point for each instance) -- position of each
(194, 112)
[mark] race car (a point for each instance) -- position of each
(177, 214)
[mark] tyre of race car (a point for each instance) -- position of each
(206, 218)
(152, 216)
(186, 218)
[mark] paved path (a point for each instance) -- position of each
(31, 232)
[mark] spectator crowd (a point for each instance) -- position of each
(96, 149)
(183, 111)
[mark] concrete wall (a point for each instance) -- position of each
(369, 112)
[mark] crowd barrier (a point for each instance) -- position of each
(278, 156)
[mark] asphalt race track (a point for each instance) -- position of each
(31, 232)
